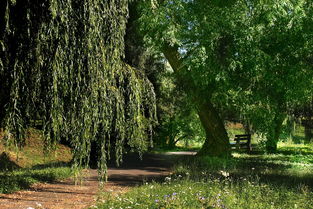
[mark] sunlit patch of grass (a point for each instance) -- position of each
(19, 170)
(190, 145)
(291, 159)
(12, 181)
(292, 148)
(33, 154)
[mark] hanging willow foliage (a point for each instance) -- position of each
(61, 62)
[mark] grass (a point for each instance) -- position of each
(256, 180)
(218, 193)
(32, 153)
(19, 170)
(11, 181)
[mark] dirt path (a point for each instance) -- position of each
(66, 195)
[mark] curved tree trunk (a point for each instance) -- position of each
(217, 141)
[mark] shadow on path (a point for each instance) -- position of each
(65, 194)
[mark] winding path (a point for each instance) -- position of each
(66, 195)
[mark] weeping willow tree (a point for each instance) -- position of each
(61, 63)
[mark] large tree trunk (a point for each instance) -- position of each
(217, 141)
(273, 137)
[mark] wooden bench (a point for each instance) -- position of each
(242, 141)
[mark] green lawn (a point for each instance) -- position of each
(256, 180)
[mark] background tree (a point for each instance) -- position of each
(182, 30)
(177, 119)
(233, 55)
(276, 57)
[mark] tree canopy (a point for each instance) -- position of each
(61, 63)
(251, 56)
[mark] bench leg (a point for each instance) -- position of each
(237, 145)
(249, 145)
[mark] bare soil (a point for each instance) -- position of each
(66, 195)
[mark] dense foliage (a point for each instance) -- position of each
(253, 57)
(61, 63)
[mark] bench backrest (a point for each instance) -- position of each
(242, 137)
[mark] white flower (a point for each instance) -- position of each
(167, 178)
(224, 173)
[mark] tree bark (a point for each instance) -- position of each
(217, 141)
(273, 137)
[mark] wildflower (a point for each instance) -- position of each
(252, 168)
(156, 201)
(224, 173)
(174, 194)
(202, 198)
(167, 178)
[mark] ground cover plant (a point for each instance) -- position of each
(211, 194)
(256, 180)
(19, 169)
(32, 154)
